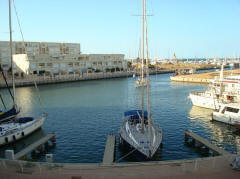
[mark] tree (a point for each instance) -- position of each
(129, 64)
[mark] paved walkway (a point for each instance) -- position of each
(215, 167)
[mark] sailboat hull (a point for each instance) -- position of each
(129, 149)
(20, 131)
(131, 133)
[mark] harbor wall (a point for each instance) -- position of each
(205, 77)
(43, 80)
(185, 78)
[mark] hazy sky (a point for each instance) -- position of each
(190, 28)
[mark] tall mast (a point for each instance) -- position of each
(221, 80)
(11, 53)
(142, 80)
(148, 79)
(139, 50)
(142, 39)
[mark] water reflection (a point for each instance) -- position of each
(23, 143)
(204, 114)
(218, 133)
(83, 113)
(27, 100)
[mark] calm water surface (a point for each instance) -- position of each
(82, 114)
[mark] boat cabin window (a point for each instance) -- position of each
(234, 110)
(0, 129)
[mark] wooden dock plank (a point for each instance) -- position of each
(109, 151)
(33, 146)
(206, 143)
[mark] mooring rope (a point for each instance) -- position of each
(126, 155)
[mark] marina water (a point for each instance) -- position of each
(83, 113)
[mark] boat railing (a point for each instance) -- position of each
(11, 131)
(196, 92)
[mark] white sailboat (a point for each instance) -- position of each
(137, 131)
(18, 127)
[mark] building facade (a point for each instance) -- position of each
(60, 58)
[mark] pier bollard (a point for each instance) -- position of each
(9, 154)
(49, 158)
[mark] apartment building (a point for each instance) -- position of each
(60, 58)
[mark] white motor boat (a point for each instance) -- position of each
(228, 113)
(223, 90)
(207, 99)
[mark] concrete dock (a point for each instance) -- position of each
(206, 167)
(205, 77)
(199, 141)
(36, 145)
(109, 151)
(186, 78)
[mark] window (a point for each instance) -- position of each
(4, 66)
(41, 64)
(233, 110)
(49, 64)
